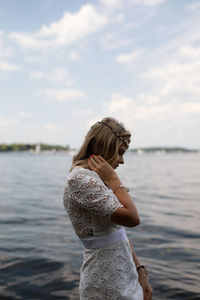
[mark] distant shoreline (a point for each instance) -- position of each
(46, 148)
(164, 150)
(32, 147)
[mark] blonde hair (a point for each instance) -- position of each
(104, 138)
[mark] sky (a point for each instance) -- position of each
(66, 64)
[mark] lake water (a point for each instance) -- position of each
(40, 255)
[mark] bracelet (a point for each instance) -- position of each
(142, 267)
(120, 187)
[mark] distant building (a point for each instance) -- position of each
(37, 148)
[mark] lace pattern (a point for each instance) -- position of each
(106, 273)
(89, 203)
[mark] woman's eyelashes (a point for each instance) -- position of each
(121, 153)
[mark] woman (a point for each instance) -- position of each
(99, 207)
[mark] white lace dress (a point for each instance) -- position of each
(107, 273)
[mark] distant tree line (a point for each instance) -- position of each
(29, 147)
(46, 147)
(163, 149)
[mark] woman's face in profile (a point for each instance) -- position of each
(120, 158)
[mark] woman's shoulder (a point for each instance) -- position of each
(79, 173)
(85, 179)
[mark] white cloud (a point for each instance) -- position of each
(183, 35)
(192, 6)
(134, 112)
(6, 122)
(32, 58)
(7, 67)
(73, 55)
(112, 41)
(5, 52)
(36, 74)
(191, 108)
(51, 126)
(82, 112)
(132, 109)
(118, 103)
(170, 101)
(62, 95)
(59, 75)
(112, 4)
(161, 123)
(72, 27)
(147, 2)
(117, 4)
(118, 18)
(179, 77)
(189, 52)
(93, 120)
(128, 58)
(23, 114)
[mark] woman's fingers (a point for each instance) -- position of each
(101, 158)
(96, 159)
(94, 162)
(90, 165)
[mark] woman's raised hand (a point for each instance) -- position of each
(99, 165)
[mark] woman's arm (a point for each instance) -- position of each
(142, 276)
(126, 215)
(135, 259)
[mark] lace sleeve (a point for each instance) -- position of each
(90, 193)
